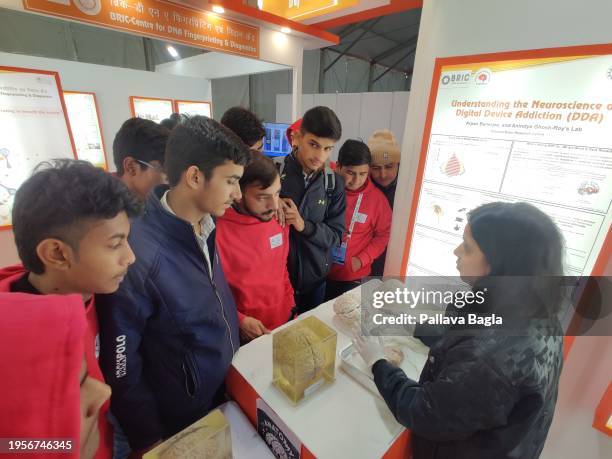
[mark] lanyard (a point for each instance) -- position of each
(354, 217)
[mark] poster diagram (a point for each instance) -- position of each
(85, 126)
(151, 109)
(185, 107)
(33, 129)
(532, 130)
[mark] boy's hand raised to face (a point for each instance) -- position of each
(292, 214)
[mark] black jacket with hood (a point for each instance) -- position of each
(310, 251)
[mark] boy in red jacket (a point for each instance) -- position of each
(367, 218)
(70, 221)
(254, 249)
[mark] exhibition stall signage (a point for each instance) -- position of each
(151, 108)
(530, 126)
(86, 127)
(158, 19)
(192, 108)
(33, 129)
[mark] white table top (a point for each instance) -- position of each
(342, 419)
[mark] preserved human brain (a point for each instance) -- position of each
(348, 308)
(299, 359)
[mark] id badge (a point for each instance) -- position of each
(339, 254)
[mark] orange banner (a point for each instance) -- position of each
(158, 19)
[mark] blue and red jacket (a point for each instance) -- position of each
(168, 335)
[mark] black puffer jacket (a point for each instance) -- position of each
(479, 397)
(310, 250)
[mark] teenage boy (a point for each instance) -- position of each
(383, 172)
(367, 220)
(138, 152)
(313, 204)
(70, 221)
(170, 332)
(254, 248)
(245, 125)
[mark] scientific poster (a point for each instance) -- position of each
(151, 109)
(185, 107)
(534, 129)
(33, 129)
(85, 126)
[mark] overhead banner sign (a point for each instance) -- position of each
(528, 126)
(158, 19)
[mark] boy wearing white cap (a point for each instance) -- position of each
(383, 172)
(385, 162)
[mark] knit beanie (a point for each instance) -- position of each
(384, 148)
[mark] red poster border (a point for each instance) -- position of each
(61, 98)
(133, 110)
(176, 102)
(585, 50)
(99, 122)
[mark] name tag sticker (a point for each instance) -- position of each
(361, 218)
(276, 241)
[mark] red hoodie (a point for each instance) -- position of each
(41, 353)
(11, 274)
(370, 233)
(254, 256)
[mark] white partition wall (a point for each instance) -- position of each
(348, 109)
(376, 110)
(360, 113)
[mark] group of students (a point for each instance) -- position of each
(198, 244)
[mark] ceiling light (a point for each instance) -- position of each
(218, 9)
(172, 51)
(285, 30)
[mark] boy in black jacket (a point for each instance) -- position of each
(313, 203)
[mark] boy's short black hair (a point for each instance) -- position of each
(142, 139)
(354, 153)
(171, 122)
(245, 125)
(60, 200)
(261, 170)
(322, 122)
(205, 143)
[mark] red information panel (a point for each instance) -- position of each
(33, 128)
(86, 127)
(528, 126)
(151, 108)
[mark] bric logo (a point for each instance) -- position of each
(456, 78)
(482, 76)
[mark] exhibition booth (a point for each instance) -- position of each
(503, 106)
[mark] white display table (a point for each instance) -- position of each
(339, 420)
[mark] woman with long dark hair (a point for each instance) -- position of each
(488, 392)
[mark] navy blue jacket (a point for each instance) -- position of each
(169, 333)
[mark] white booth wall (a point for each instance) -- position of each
(465, 27)
(360, 113)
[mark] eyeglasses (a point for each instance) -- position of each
(157, 168)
